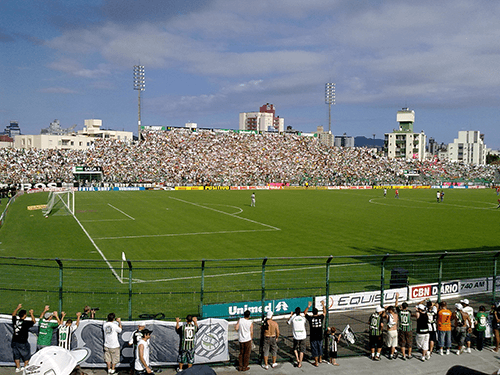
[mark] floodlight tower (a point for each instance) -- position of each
(330, 99)
(140, 86)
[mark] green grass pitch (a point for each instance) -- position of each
(188, 226)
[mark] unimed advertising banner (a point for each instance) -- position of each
(211, 342)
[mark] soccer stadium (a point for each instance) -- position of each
(213, 223)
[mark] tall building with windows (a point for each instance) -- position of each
(404, 142)
(468, 148)
(264, 120)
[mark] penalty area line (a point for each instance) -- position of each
(184, 234)
(225, 213)
(98, 250)
(110, 205)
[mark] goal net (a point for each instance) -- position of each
(60, 203)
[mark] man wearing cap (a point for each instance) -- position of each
(245, 336)
(316, 332)
(271, 335)
(375, 327)
(298, 322)
(187, 334)
(444, 328)
(461, 323)
(134, 340)
(47, 323)
(142, 355)
(111, 330)
(422, 338)
(470, 311)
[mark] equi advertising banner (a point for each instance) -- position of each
(211, 342)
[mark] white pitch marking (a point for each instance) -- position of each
(435, 205)
(184, 234)
(91, 221)
(98, 250)
(110, 205)
(225, 213)
(244, 273)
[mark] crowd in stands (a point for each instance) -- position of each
(183, 157)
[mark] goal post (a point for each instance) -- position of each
(60, 203)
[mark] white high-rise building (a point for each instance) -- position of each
(262, 121)
(403, 142)
(468, 148)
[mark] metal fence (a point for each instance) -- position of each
(136, 289)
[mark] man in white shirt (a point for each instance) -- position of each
(298, 322)
(111, 330)
(142, 354)
(245, 336)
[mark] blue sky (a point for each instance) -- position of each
(206, 61)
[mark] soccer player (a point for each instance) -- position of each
(498, 203)
(188, 333)
(438, 196)
(252, 203)
(67, 329)
(396, 193)
(20, 346)
(385, 192)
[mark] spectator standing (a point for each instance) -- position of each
(333, 342)
(66, 330)
(298, 322)
(141, 365)
(392, 331)
(134, 340)
(444, 328)
(316, 332)
(20, 347)
(271, 335)
(375, 327)
(481, 323)
(187, 331)
(47, 323)
(432, 318)
(111, 330)
(405, 338)
(461, 323)
(88, 313)
(422, 331)
(245, 336)
(470, 311)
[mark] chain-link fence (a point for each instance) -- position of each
(135, 288)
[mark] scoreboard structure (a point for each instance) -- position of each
(86, 173)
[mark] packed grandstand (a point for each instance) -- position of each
(184, 157)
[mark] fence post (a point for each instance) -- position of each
(129, 289)
(202, 286)
(60, 284)
(382, 280)
(440, 276)
(494, 287)
(263, 313)
(327, 304)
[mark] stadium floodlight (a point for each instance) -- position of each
(140, 86)
(330, 99)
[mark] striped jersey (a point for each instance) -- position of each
(405, 320)
(188, 332)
